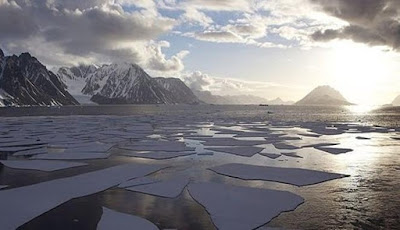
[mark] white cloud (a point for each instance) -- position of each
(227, 86)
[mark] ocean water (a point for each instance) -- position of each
(368, 199)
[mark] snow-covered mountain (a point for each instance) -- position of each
(25, 81)
(209, 98)
(124, 83)
(324, 95)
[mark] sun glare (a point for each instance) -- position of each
(358, 71)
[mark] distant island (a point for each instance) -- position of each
(324, 95)
(396, 101)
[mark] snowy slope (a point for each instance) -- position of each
(124, 83)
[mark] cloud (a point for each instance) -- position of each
(369, 21)
(221, 5)
(14, 23)
(95, 30)
(158, 61)
(225, 86)
(192, 15)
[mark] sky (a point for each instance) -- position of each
(266, 48)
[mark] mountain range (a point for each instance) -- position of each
(209, 98)
(324, 95)
(124, 83)
(25, 81)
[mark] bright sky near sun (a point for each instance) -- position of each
(267, 48)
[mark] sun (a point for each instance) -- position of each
(359, 72)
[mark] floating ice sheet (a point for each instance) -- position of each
(231, 142)
(157, 146)
(319, 145)
(41, 165)
(19, 148)
(280, 145)
(20, 205)
(270, 155)
(121, 221)
(291, 154)
(240, 208)
(31, 152)
(138, 181)
(159, 155)
(247, 151)
(71, 156)
(170, 188)
(310, 135)
(334, 150)
(294, 176)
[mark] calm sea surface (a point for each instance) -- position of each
(368, 199)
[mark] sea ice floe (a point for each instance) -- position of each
(294, 176)
(291, 154)
(138, 181)
(41, 165)
(3, 186)
(280, 145)
(21, 143)
(271, 155)
(334, 150)
(246, 151)
(90, 147)
(121, 221)
(310, 135)
(319, 145)
(31, 152)
(19, 148)
(159, 155)
(169, 146)
(251, 134)
(20, 205)
(71, 156)
(231, 142)
(240, 208)
(169, 188)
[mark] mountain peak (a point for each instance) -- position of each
(324, 95)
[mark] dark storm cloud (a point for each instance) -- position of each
(14, 23)
(91, 27)
(374, 22)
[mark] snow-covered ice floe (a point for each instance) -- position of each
(271, 155)
(294, 176)
(169, 188)
(41, 165)
(31, 152)
(233, 207)
(138, 181)
(291, 154)
(158, 155)
(72, 156)
(121, 221)
(20, 205)
(167, 146)
(246, 151)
